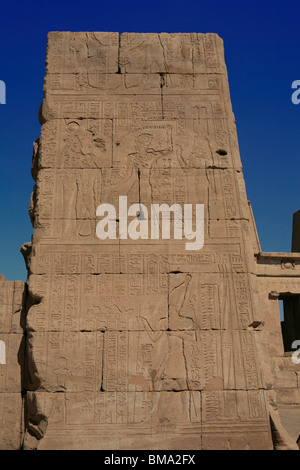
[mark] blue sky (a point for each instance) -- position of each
(262, 44)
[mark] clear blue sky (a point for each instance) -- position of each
(262, 46)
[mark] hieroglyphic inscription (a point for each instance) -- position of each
(142, 338)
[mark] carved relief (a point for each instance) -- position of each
(148, 344)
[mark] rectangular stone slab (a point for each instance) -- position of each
(116, 420)
(11, 428)
(141, 343)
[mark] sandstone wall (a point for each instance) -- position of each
(12, 299)
(140, 344)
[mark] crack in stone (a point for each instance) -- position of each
(162, 84)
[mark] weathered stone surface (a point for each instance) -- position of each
(12, 358)
(115, 420)
(11, 428)
(54, 363)
(235, 420)
(11, 372)
(290, 418)
(12, 301)
(69, 52)
(130, 322)
(278, 278)
(141, 342)
(171, 53)
(126, 321)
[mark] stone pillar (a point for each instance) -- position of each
(149, 344)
